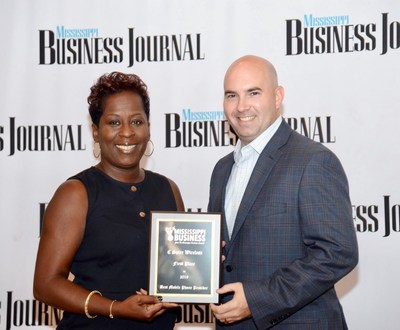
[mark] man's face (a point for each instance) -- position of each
(251, 99)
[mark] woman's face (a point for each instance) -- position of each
(123, 131)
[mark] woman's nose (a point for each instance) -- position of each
(127, 130)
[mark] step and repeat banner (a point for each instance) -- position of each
(338, 61)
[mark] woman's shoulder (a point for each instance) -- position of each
(154, 176)
(88, 172)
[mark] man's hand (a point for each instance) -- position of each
(234, 310)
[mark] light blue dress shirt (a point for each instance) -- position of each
(245, 159)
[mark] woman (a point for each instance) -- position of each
(96, 226)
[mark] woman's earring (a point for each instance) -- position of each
(96, 150)
(152, 149)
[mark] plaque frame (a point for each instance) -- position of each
(185, 256)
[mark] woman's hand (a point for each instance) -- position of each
(141, 306)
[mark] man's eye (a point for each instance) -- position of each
(230, 96)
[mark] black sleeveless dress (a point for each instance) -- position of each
(113, 256)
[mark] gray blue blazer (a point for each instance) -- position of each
(293, 237)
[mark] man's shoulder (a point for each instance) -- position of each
(306, 143)
(227, 159)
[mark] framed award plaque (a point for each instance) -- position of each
(185, 256)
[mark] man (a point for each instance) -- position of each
(288, 226)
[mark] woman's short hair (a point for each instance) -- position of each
(113, 83)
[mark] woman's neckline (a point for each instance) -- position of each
(142, 176)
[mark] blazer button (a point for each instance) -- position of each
(229, 268)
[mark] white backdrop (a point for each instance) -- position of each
(339, 64)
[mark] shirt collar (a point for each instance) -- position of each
(259, 143)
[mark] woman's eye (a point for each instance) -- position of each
(114, 122)
(137, 122)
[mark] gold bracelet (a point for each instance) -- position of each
(111, 305)
(87, 303)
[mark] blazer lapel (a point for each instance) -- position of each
(265, 163)
(219, 190)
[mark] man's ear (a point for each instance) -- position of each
(279, 96)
